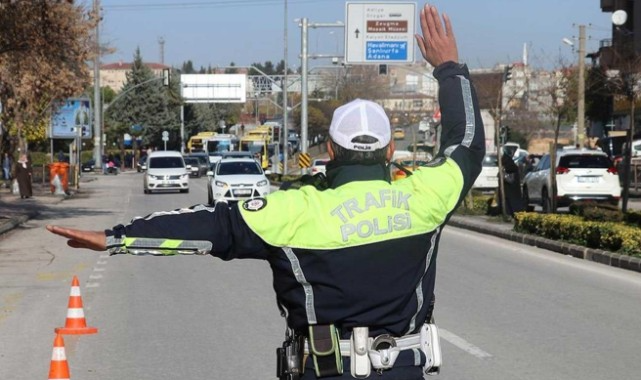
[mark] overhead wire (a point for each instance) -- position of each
(201, 4)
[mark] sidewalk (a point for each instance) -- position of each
(14, 211)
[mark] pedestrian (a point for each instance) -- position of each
(23, 176)
(7, 163)
(353, 265)
(512, 183)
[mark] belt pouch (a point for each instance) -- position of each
(324, 346)
(360, 366)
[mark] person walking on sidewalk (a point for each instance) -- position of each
(7, 163)
(354, 265)
(23, 176)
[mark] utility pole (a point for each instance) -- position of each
(303, 87)
(97, 111)
(285, 102)
(304, 57)
(581, 101)
(161, 42)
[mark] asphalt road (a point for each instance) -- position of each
(506, 311)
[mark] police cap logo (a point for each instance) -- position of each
(255, 204)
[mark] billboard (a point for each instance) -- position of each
(69, 115)
(213, 88)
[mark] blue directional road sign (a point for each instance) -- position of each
(379, 32)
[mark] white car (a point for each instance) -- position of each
(236, 179)
(489, 177)
(318, 165)
(166, 170)
(580, 175)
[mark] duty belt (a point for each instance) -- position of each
(381, 352)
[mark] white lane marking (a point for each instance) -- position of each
(93, 284)
(95, 276)
(104, 256)
(101, 262)
(96, 269)
(463, 344)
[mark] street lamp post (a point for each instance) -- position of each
(304, 57)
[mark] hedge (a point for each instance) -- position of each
(611, 236)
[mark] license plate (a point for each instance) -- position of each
(588, 179)
(243, 192)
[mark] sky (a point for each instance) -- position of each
(217, 32)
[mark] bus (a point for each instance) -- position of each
(196, 143)
(258, 146)
(216, 145)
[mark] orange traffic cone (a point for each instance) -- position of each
(59, 369)
(75, 323)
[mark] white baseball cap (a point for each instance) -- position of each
(360, 118)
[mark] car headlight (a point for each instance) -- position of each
(262, 183)
(185, 176)
(220, 184)
(153, 176)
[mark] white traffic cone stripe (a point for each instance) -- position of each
(75, 313)
(58, 354)
(75, 291)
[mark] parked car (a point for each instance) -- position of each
(166, 170)
(489, 177)
(580, 175)
(235, 179)
(318, 165)
(89, 166)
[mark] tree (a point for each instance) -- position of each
(147, 103)
(44, 47)
(362, 82)
(561, 88)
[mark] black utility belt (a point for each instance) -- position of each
(327, 350)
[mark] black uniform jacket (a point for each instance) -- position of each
(360, 253)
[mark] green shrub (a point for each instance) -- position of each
(633, 218)
(611, 236)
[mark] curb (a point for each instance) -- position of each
(577, 251)
(13, 223)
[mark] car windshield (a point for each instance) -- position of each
(238, 168)
(166, 162)
(490, 160)
(584, 161)
(191, 161)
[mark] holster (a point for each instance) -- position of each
(431, 347)
(289, 364)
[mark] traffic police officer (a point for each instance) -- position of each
(354, 264)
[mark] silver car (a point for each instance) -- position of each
(236, 179)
